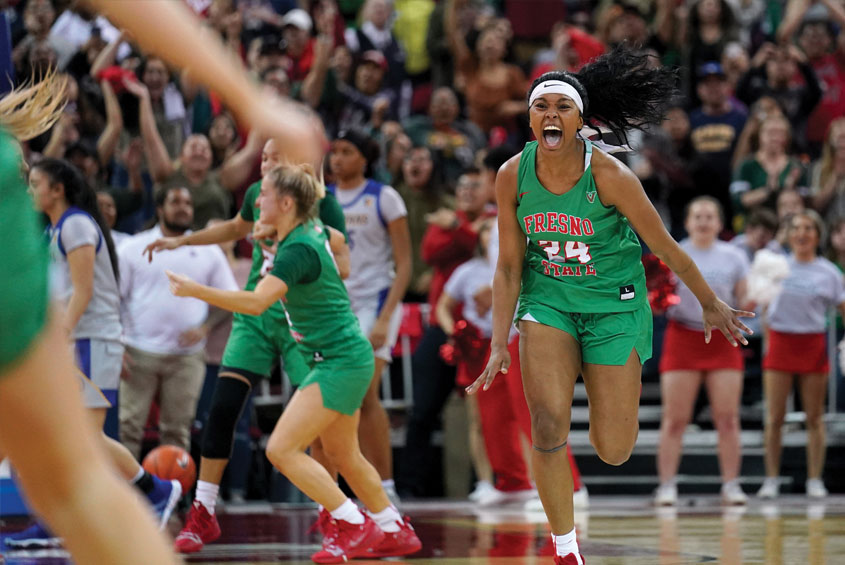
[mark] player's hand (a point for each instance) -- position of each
(263, 231)
(499, 362)
(181, 285)
(161, 244)
(287, 123)
(727, 320)
(378, 335)
(193, 336)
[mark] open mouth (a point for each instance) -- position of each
(552, 136)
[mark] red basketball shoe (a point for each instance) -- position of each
(348, 541)
(200, 528)
(397, 544)
(570, 559)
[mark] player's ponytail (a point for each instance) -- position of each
(31, 109)
(78, 193)
(620, 90)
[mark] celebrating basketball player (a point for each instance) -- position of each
(578, 277)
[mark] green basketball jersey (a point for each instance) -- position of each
(23, 260)
(582, 256)
(319, 313)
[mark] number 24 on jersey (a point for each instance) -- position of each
(572, 250)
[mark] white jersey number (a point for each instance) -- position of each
(572, 250)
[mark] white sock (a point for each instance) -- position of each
(348, 512)
(138, 476)
(388, 484)
(207, 494)
(388, 520)
(565, 544)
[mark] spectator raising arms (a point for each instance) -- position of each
(494, 89)
(772, 72)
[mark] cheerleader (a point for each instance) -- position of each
(688, 361)
(797, 346)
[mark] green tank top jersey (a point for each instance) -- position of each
(330, 213)
(582, 256)
(23, 261)
(319, 313)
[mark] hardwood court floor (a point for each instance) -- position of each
(615, 531)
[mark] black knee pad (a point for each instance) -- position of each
(227, 404)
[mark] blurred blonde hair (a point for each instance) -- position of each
(300, 182)
(32, 108)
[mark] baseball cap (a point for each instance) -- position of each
(298, 18)
(375, 57)
(711, 68)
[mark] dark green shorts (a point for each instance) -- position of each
(23, 270)
(605, 338)
(257, 342)
(343, 377)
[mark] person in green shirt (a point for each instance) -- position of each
(254, 346)
(760, 178)
(340, 360)
(569, 256)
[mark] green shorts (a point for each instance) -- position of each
(605, 338)
(23, 267)
(343, 378)
(256, 343)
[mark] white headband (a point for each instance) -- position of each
(557, 87)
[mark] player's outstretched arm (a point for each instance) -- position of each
(230, 230)
(172, 32)
(253, 302)
(618, 186)
(508, 276)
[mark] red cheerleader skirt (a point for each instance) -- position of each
(797, 353)
(684, 349)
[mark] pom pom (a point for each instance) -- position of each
(660, 283)
(466, 344)
(768, 270)
(447, 353)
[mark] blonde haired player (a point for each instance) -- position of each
(67, 479)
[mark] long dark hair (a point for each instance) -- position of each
(620, 90)
(79, 194)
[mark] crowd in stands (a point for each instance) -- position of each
(440, 86)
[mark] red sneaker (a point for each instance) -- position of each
(324, 524)
(200, 528)
(570, 559)
(397, 544)
(348, 541)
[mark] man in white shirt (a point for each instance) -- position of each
(165, 335)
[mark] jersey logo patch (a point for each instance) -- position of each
(521, 194)
(626, 292)
(318, 357)
(591, 196)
